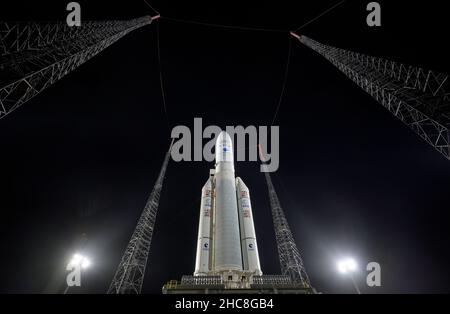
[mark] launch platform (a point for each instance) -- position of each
(265, 284)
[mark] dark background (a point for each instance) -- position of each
(78, 161)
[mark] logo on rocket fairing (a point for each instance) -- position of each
(245, 202)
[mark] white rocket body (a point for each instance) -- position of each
(202, 261)
(226, 235)
(250, 256)
(227, 250)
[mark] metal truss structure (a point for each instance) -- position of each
(291, 262)
(201, 280)
(33, 56)
(274, 280)
(419, 98)
(130, 273)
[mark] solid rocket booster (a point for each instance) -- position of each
(202, 260)
(227, 249)
(249, 246)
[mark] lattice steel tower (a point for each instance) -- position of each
(130, 273)
(291, 262)
(33, 56)
(418, 97)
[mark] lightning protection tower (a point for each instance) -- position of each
(34, 55)
(419, 98)
(130, 273)
(291, 262)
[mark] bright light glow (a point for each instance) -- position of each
(81, 260)
(77, 258)
(85, 263)
(347, 265)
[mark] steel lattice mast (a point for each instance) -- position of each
(290, 259)
(420, 98)
(291, 262)
(33, 56)
(130, 273)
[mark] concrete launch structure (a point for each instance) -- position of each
(227, 259)
(226, 244)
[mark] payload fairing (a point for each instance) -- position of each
(226, 233)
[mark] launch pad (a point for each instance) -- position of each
(265, 284)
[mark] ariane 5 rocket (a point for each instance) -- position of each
(226, 233)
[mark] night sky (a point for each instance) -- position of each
(79, 161)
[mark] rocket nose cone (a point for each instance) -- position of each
(224, 147)
(224, 137)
